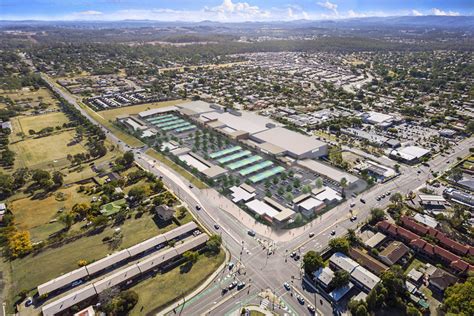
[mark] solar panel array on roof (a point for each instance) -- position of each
(255, 168)
(235, 156)
(266, 174)
(224, 152)
(244, 162)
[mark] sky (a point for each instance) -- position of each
(225, 10)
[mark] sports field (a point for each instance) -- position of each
(43, 151)
(38, 122)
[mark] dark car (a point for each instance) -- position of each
(362, 201)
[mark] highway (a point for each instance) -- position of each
(259, 261)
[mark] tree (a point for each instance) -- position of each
(81, 210)
(412, 310)
(214, 244)
(352, 237)
(340, 279)
(376, 215)
(67, 219)
(58, 178)
(339, 244)
(312, 261)
(121, 304)
(128, 158)
(41, 177)
(191, 256)
(319, 183)
(6, 185)
(456, 174)
(138, 193)
(396, 198)
(458, 298)
(19, 244)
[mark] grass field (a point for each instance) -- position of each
(163, 289)
(44, 150)
(25, 95)
(38, 122)
(31, 213)
(53, 262)
(183, 172)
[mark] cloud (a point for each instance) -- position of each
(290, 13)
(329, 5)
(416, 13)
(229, 10)
(437, 11)
(90, 12)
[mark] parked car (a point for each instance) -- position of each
(216, 226)
(362, 201)
(311, 235)
(286, 286)
(300, 299)
(333, 232)
(251, 233)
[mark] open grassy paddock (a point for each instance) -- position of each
(31, 213)
(43, 151)
(38, 122)
(163, 289)
(47, 266)
(31, 96)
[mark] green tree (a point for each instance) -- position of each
(340, 279)
(339, 244)
(191, 256)
(214, 244)
(312, 261)
(58, 178)
(458, 298)
(376, 215)
(67, 219)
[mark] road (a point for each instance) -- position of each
(255, 264)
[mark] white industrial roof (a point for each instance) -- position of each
(410, 152)
(69, 300)
(106, 262)
(116, 278)
(377, 117)
(239, 194)
(328, 195)
(328, 171)
(427, 220)
(311, 203)
(247, 121)
(197, 106)
(262, 208)
(431, 198)
(62, 280)
(293, 142)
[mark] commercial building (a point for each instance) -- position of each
(329, 172)
(290, 143)
(409, 154)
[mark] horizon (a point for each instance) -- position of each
(225, 10)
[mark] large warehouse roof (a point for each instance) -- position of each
(245, 121)
(328, 171)
(197, 107)
(410, 152)
(293, 142)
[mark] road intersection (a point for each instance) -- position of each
(260, 267)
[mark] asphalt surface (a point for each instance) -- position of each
(254, 263)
